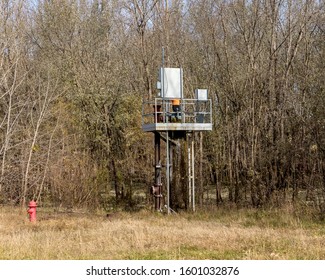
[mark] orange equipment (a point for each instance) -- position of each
(176, 102)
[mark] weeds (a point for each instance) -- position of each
(218, 234)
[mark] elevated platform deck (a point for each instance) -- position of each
(190, 115)
(177, 127)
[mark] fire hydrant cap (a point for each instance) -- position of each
(32, 204)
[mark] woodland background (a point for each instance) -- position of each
(73, 74)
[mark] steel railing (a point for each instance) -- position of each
(161, 110)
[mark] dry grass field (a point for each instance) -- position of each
(225, 234)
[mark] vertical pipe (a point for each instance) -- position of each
(181, 90)
(200, 186)
(155, 108)
(211, 121)
(171, 174)
(167, 172)
(189, 172)
(163, 57)
(163, 105)
(162, 73)
(193, 176)
(157, 186)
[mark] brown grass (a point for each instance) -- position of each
(245, 234)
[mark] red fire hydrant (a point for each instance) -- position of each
(32, 211)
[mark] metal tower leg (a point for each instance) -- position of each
(191, 172)
(157, 188)
(171, 187)
(193, 175)
(168, 170)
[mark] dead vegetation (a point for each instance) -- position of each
(245, 234)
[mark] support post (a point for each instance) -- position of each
(193, 175)
(189, 162)
(171, 187)
(191, 172)
(157, 188)
(168, 171)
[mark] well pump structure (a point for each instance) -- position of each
(172, 117)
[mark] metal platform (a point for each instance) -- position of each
(177, 127)
(193, 115)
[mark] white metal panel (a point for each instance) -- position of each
(172, 82)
